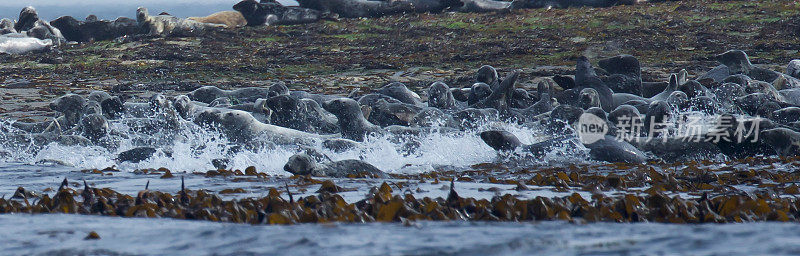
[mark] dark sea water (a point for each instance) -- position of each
(63, 235)
(111, 9)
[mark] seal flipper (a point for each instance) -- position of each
(683, 77)
(671, 87)
(499, 99)
(673, 83)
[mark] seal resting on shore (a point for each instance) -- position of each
(166, 25)
(31, 25)
(486, 6)
(736, 62)
(94, 29)
(230, 19)
(274, 13)
(625, 75)
(7, 26)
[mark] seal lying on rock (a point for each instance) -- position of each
(625, 74)
(166, 25)
(16, 43)
(400, 92)
(304, 164)
(7, 26)
(93, 29)
(30, 24)
(230, 19)
(274, 13)
(43, 30)
(485, 6)
(736, 62)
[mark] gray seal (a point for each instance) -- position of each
(440, 96)
(352, 123)
(625, 75)
(304, 164)
(274, 13)
(736, 62)
(386, 114)
(607, 149)
(589, 98)
(241, 127)
(167, 25)
(400, 92)
(207, 94)
(7, 26)
(93, 29)
(784, 141)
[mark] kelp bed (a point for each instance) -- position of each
(745, 190)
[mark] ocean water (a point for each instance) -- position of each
(63, 235)
(111, 9)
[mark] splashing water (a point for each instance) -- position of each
(193, 148)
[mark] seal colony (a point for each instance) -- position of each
(29, 33)
(741, 115)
